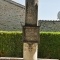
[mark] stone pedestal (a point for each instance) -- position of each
(30, 31)
(30, 51)
(30, 45)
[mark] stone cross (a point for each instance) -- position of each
(30, 31)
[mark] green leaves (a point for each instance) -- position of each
(11, 43)
(49, 46)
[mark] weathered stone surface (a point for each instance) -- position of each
(31, 34)
(31, 31)
(30, 51)
(31, 12)
(49, 25)
(12, 16)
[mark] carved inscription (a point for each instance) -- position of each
(31, 33)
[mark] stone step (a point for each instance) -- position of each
(14, 58)
(10, 58)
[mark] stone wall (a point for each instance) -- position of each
(12, 15)
(49, 25)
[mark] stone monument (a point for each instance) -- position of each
(30, 31)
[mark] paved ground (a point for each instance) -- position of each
(12, 58)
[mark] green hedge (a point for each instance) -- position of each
(49, 45)
(11, 44)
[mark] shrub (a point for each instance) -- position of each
(49, 45)
(11, 44)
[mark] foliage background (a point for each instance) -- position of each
(49, 45)
(11, 44)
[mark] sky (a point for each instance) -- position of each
(47, 9)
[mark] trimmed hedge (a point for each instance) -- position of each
(49, 45)
(11, 44)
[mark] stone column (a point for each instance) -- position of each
(31, 12)
(30, 31)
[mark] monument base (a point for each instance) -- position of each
(30, 51)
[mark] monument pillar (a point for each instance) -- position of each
(30, 31)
